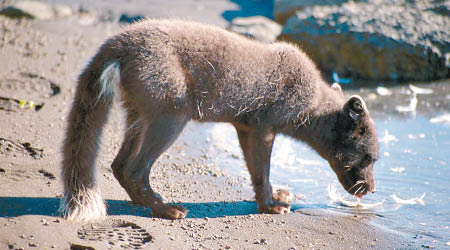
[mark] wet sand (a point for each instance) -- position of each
(40, 61)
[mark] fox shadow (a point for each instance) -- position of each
(48, 206)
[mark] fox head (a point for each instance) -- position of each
(355, 147)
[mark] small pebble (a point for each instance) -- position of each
(33, 244)
(235, 156)
(262, 242)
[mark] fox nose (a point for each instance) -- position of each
(371, 188)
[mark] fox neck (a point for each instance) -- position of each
(318, 130)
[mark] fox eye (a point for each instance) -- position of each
(362, 131)
(352, 159)
(367, 160)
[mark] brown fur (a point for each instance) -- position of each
(170, 72)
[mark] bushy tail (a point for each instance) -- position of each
(82, 200)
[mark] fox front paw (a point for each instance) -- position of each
(276, 208)
(170, 212)
(282, 196)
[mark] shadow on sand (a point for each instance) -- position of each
(18, 206)
(250, 8)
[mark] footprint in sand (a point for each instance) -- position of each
(116, 233)
(8, 147)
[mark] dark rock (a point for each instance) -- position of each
(375, 40)
(257, 27)
(125, 18)
(283, 9)
(441, 8)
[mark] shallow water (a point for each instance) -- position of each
(416, 147)
(422, 149)
(414, 160)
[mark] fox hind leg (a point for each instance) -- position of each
(142, 146)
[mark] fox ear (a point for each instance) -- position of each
(336, 87)
(355, 107)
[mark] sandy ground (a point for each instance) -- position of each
(39, 62)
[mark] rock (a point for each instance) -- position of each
(375, 40)
(125, 18)
(61, 11)
(33, 244)
(86, 17)
(441, 8)
(28, 9)
(36, 10)
(283, 9)
(257, 27)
